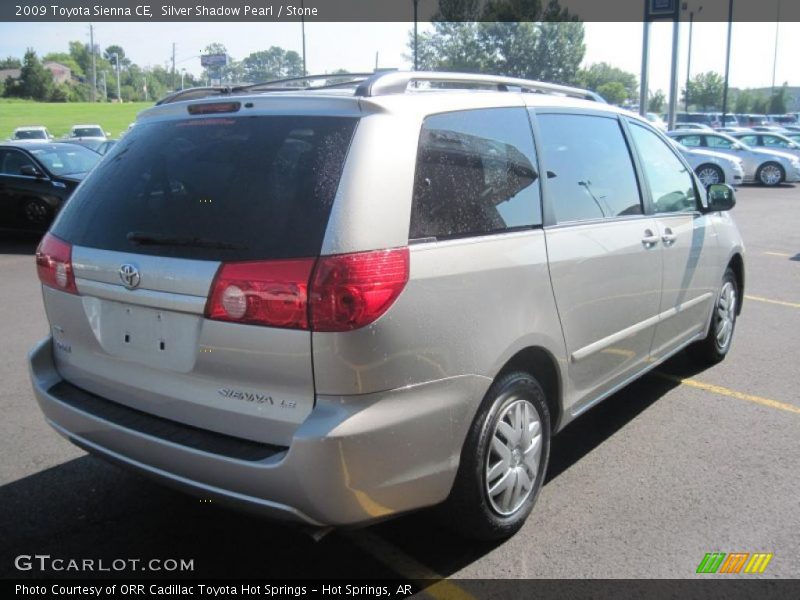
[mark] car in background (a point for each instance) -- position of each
(788, 119)
(769, 128)
(735, 130)
(767, 167)
(747, 120)
(656, 121)
(712, 167)
(709, 119)
(729, 120)
(36, 178)
(104, 147)
(692, 126)
(33, 132)
(792, 128)
(769, 141)
(91, 132)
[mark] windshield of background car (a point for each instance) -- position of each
(34, 134)
(66, 159)
(246, 188)
(88, 132)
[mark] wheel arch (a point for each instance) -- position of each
(736, 264)
(542, 365)
(711, 165)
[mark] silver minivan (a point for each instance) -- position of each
(353, 300)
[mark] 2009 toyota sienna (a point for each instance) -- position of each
(345, 302)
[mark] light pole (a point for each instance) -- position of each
(116, 64)
(689, 59)
(727, 63)
(775, 56)
(183, 74)
(416, 47)
(303, 33)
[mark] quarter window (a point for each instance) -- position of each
(671, 183)
(475, 175)
(692, 141)
(589, 170)
(715, 141)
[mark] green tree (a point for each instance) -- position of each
(778, 100)
(10, 62)
(760, 104)
(67, 60)
(59, 93)
(34, 80)
(275, 63)
(705, 90)
(656, 102)
(744, 101)
(108, 54)
(613, 92)
(600, 74)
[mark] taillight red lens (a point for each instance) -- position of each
(54, 264)
(352, 290)
(272, 293)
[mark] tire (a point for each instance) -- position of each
(36, 211)
(716, 345)
(770, 174)
(710, 174)
(471, 509)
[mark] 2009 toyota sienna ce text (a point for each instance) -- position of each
(350, 301)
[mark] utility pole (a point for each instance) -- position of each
(303, 33)
(105, 87)
(775, 56)
(416, 46)
(376, 60)
(689, 59)
(645, 59)
(727, 63)
(172, 80)
(673, 77)
(116, 64)
(94, 63)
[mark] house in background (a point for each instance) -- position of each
(61, 73)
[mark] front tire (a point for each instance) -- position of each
(37, 212)
(503, 461)
(710, 174)
(716, 345)
(771, 174)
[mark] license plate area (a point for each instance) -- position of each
(154, 337)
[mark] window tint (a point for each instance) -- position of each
(240, 188)
(690, 140)
(66, 159)
(475, 174)
(11, 161)
(750, 140)
(590, 173)
(670, 182)
(715, 141)
(774, 142)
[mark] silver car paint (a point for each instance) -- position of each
(377, 424)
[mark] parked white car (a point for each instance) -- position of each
(768, 167)
(90, 131)
(33, 132)
(770, 141)
(713, 167)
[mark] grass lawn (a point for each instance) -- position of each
(59, 117)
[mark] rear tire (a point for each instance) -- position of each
(710, 174)
(716, 345)
(503, 461)
(770, 174)
(37, 212)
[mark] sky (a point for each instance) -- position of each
(353, 46)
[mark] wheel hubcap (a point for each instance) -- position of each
(771, 175)
(708, 176)
(512, 463)
(726, 315)
(35, 212)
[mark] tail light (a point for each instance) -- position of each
(54, 264)
(333, 293)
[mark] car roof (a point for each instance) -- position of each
(30, 127)
(33, 144)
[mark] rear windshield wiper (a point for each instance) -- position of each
(160, 239)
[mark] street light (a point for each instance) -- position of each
(689, 59)
(183, 74)
(416, 47)
(116, 64)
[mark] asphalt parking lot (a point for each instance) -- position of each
(681, 463)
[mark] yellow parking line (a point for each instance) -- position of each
(781, 254)
(770, 301)
(723, 391)
(407, 567)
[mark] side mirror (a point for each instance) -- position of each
(108, 134)
(720, 197)
(30, 171)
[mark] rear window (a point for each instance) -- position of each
(88, 132)
(241, 188)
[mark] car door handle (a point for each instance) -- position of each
(668, 237)
(649, 240)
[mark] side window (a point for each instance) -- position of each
(12, 161)
(713, 141)
(671, 183)
(693, 141)
(774, 142)
(590, 173)
(475, 175)
(750, 140)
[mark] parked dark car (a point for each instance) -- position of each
(36, 178)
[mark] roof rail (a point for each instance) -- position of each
(397, 82)
(277, 85)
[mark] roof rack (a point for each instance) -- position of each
(397, 82)
(385, 83)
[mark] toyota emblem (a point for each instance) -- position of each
(129, 275)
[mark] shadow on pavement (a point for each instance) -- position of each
(85, 508)
(19, 243)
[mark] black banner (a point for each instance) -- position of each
(380, 10)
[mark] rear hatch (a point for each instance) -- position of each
(178, 208)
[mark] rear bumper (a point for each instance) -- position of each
(355, 459)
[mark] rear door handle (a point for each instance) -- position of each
(649, 240)
(668, 237)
